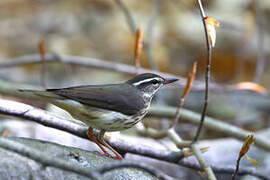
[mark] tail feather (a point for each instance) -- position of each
(43, 94)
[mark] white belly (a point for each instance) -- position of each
(99, 118)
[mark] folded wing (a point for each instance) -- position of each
(120, 98)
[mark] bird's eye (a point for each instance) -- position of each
(155, 82)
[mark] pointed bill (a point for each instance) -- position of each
(170, 80)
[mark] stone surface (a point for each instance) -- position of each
(16, 167)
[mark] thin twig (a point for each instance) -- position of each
(210, 123)
(237, 167)
(260, 42)
(187, 89)
(174, 137)
(42, 52)
(150, 132)
(150, 32)
(133, 28)
(158, 134)
(207, 168)
(130, 21)
(207, 72)
(102, 64)
(178, 111)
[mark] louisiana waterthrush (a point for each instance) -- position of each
(110, 107)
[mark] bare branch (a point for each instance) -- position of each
(210, 123)
(42, 52)
(9, 89)
(101, 64)
(158, 134)
(237, 168)
(150, 32)
(207, 72)
(203, 163)
(123, 144)
(133, 28)
(187, 89)
(130, 21)
(260, 41)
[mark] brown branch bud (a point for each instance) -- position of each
(42, 49)
(138, 47)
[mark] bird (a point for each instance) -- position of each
(108, 107)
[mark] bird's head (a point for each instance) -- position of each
(149, 83)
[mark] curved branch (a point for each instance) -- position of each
(207, 72)
(210, 123)
(123, 144)
(260, 42)
(101, 64)
(9, 89)
(45, 118)
(206, 167)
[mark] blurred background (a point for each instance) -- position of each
(174, 32)
(98, 29)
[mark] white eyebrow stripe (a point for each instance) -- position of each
(146, 80)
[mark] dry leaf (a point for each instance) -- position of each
(189, 152)
(138, 47)
(212, 24)
(251, 87)
(251, 160)
(190, 79)
(245, 147)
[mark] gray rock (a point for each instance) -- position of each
(16, 167)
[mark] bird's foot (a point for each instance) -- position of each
(118, 157)
(106, 154)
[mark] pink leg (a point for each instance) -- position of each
(100, 138)
(92, 138)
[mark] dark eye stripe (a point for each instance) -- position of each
(154, 81)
